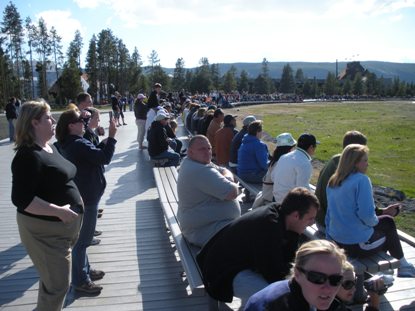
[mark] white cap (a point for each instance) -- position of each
(141, 96)
(161, 115)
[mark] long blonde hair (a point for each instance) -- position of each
(351, 155)
(25, 133)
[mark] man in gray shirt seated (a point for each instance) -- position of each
(207, 194)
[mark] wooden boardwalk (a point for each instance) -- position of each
(141, 265)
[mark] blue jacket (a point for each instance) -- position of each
(351, 213)
(252, 155)
(89, 161)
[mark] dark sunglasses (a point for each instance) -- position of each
(79, 119)
(321, 278)
(349, 284)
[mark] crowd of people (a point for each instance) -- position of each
(257, 256)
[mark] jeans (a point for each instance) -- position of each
(173, 157)
(80, 262)
(253, 177)
(246, 283)
(11, 129)
(141, 131)
(176, 145)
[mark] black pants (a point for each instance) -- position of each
(384, 238)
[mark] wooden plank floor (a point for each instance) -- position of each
(141, 265)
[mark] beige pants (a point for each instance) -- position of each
(49, 244)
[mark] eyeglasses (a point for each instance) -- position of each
(349, 284)
(321, 278)
(79, 119)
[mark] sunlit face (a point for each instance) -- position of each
(200, 151)
(347, 294)
(319, 295)
(363, 164)
(298, 224)
(94, 122)
(44, 127)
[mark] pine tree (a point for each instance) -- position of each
(91, 68)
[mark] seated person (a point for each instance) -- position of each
(351, 219)
(207, 194)
(158, 141)
(294, 169)
(174, 143)
(351, 137)
(253, 155)
(285, 143)
(315, 279)
(223, 140)
(214, 126)
(348, 287)
(237, 141)
(257, 248)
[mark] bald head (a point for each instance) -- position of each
(199, 149)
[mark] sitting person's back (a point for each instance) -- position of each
(237, 141)
(253, 155)
(223, 140)
(207, 194)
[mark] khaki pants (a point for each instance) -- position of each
(49, 244)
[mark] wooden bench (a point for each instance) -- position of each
(373, 264)
(166, 181)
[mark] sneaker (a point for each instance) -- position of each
(124, 123)
(406, 271)
(99, 215)
(100, 210)
(95, 241)
(96, 275)
(97, 233)
(89, 288)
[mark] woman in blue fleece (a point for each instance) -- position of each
(253, 155)
(89, 161)
(351, 219)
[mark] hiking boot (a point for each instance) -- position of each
(96, 275)
(406, 271)
(89, 288)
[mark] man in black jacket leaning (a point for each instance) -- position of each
(257, 248)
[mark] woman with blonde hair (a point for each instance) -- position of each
(315, 279)
(351, 219)
(49, 205)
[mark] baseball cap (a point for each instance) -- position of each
(228, 118)
(306, 140)
(285, 139)
(248, 120)
(141, 96)
(161, 115)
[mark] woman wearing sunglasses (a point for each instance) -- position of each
(347, 289)
(315, 279)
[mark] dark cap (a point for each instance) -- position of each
(306, 140)
(228, 119)
(218, 112)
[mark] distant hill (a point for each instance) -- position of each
(405, 71)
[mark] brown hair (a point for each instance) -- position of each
(255, 127)
(62, 127)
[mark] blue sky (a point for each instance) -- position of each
(227, 31)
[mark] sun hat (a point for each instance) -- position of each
(285, 139)
(161, 115)
(248, 120)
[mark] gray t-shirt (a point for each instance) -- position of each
(203, 210)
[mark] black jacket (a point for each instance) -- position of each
(11, 111)
(258, 241)
(157, 139)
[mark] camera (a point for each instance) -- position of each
(373, 285)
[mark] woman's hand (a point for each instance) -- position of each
(65, 214)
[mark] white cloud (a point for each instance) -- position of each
(88, 4)
(63, 22)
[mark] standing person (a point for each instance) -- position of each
(207, 194)
(351, 137)
(253, 155)
(256, 248)
(91, 182)
(351, 219)
(11, 116)
(115, 109)
(285, 143)
(315, 279)
(49, 205)
(223, 140)
(237, 141)
(153, 105)
(294, 169)
(140, 112)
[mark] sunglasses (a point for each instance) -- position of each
(79, 119)
(321, 278)
(349, 284)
